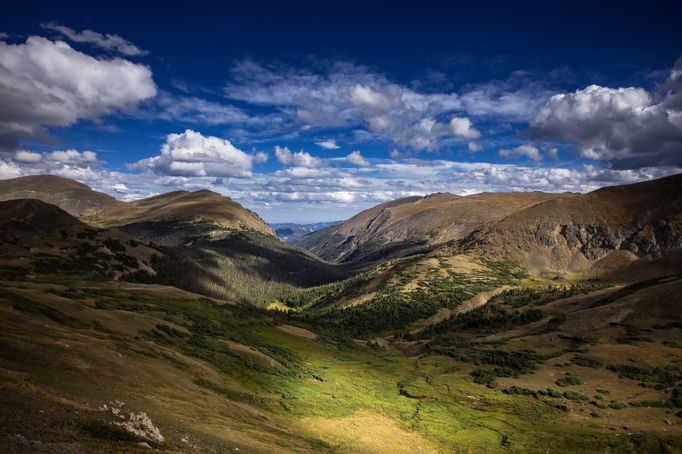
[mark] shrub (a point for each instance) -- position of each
(587, 362)
(570, 380)
(484, 377)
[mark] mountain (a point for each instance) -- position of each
(107, 343)
(181, 216)
(199, 241)
(291, 232)
(40, 238)
(601, 230)
(73, 197)
(416, 221)
(173, 217)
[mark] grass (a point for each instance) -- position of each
(321, 387)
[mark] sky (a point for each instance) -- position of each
(314, 111)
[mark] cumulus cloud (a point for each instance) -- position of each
(107, 42)
(350, 96)
(260, 157)
(69, 157)
(461, 127)
(297, 159)
(397, 154)
(27, 156)
(9, 169)
(312, 191)
(625, 127)
(192, 154)
(474, 147)
(357, 159)
(74, 157)
(47, 83)
(526, 150)
(328, 144)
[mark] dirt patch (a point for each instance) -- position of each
(297, 331)
(445, 313)
(236, 346)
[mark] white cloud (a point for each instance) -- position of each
(357, 159)
(9, 170)
(529, 151)
(260, 157)
(298, 158)
(311, 192)
(474, 147)
(461, 127)
(120, 188)
(194, 110)
(328, 144)
(193, 154)
(627, 127)
(397, 154)
(73, 157)
(553, 153)
(68, 157)
(110, 43)
(349, 96)
(515, 99)
(27, 156)
(45, 83)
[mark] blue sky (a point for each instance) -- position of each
(314, 111)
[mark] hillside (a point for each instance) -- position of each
(172, 218)
(415, 221)
(92, 364)
(601, 230)
(198, 206)
(39, 238)
(108, 344)
(203, 242)
(73, 197)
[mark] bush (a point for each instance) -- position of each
(484, 377)
(570, 380)
(572, 395)
(587, 362)
(520, 391)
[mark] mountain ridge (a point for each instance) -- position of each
(103, 210)
(416, 221)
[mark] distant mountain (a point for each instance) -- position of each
(199, 241)
(171, 218)
(291, 232)
(601, 230)
(73, 197)
(180, 217)
(416, 221)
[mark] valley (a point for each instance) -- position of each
(535, 323)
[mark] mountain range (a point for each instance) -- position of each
(495, 322)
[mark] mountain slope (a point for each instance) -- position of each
(606, 228)
(201, 206)
(40, 238)
(172, 217)
(413, 221)
(75, 198)
(181, 217)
